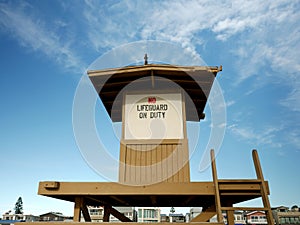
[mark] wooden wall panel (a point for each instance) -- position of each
(153, 163)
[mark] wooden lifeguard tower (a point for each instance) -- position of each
(154, 102)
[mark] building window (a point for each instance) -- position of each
(238, 217)
(254, 218)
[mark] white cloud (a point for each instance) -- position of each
(265, 136)
(110, 25)
(265, 34)
(294, 139)
(292, 101)
(230, 103)
(31, 32)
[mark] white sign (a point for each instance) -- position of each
(153, 116)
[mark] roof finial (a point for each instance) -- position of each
(146, 59)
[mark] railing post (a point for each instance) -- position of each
(216, 185)
(263, 188)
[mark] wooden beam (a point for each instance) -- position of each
(81, 207)
(77, 211)
(119, 200)
(107, 210)
(230, 217)
(153, 200)
(85, 213)
(119, 215)
(264, 194)
(216, 185)
(205, 215)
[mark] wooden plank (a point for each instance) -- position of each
(239, 187)
(85, 212)
(205, 215)
(216, 184)
(133, 169)
(230, 217)
(186, 168)
(128, 170)
(159, 164)
(225, 181)
(142, 164)
(180, 164)
(153, 164)
(77, 210)
(107, 210)
(119, 215)
(118, 189)
(137, 164)
(170, 163)
(164, 163)
(122, 164)
(148, 167)
(175, 166)
(264, 194)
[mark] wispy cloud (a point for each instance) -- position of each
(264, 136)
(263, 27)
(33, 33)
(292, 101)
(230, 103)
(109, 25)
(265, 34)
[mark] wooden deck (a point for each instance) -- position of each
(215, 197)
(164, 194)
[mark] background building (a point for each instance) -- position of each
(96, 213)
(176, 218)
(256, 217)
(282, 215)
(9, 218)
(148, 214)
(54, 216)
(164, 218)
(194, 212)
(129, 212)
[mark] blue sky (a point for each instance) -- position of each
(46, 47)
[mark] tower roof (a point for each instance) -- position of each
(194, 81)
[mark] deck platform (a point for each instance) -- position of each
(162, 194)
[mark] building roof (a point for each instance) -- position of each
(280, 207)
(175, 214)
(194, 81)
(54, 214)
(255, 212)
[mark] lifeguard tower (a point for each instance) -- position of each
(153, 102)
